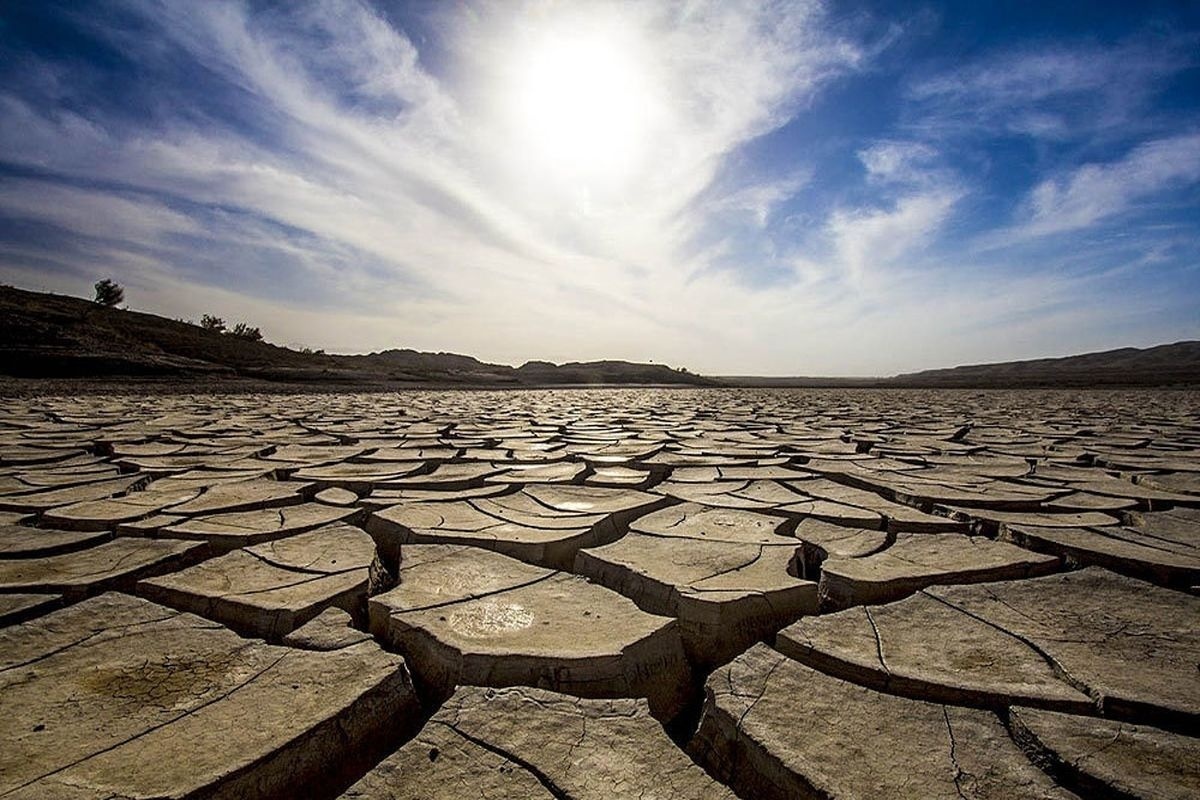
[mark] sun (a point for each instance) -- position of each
(580, 104)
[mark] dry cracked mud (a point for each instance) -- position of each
(643, 593)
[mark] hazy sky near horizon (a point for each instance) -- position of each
(788, 188)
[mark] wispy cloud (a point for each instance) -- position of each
(878, 238)
(1055, 92)
(367, 150)
(1096, 192)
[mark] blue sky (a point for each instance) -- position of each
(828, 188)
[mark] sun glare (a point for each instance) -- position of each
(580, 104)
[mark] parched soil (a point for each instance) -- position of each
(604, 593)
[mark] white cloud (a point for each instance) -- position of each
(1095, 192)
(868, 239)
(898, 161)
(1055, 91)
(424, 176)
(759, 201)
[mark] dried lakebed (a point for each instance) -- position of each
(601, 594)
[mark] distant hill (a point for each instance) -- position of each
(54, 336)
(1166, 364)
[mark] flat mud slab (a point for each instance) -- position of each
(466, 616)
(1090, 641)
(531, 743)
(891, 594)
(16, 608)
(1105, 758)
(897, 517)
(543, 525)
(25, 541)
(724, 573)
(775, 729)
(917, 560)
(119, 697)
(244, 528)
(46, 499)
(250, 495)
(1162, 547)
(116, 564)
(270, 589)
(332, 629)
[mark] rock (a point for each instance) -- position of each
(59, 475)
(528, 743)
(119, 697)
(914, 489)
(53, 498)
(36, 455)
(990, 521)
(620, 505)
(726, 593)
(1130, 646)
(521, 474)
(16, 608)
(889, 648)
(357, 477)
(270, 589)
(384, 498)
(1146, 496)
(1082, 501)
(312, 455)
(149, 526)
(445, 477)
(542, 525)
(1157, 556)
(835, 514)
(623, 477)
(22, 541)
(897, 517)
(244, 496)
(1179, 483)
(470, 616)
(821, 540)
(117, 564)
(773, 728)
(702, 523)
(243, 528)
(100, 515)
(337, 497)
(442, 764)
(332, 629)
(917, 560)
(1105, 758)
(724, 494)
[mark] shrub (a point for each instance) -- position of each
(244, 331)
(211, 323)
(109, 293)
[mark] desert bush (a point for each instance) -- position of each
(211, 323)
(109, 293)
(244, 331)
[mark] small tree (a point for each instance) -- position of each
(109, 293)
(211, 323)
(244, 331)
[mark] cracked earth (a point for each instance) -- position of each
(601, 593)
